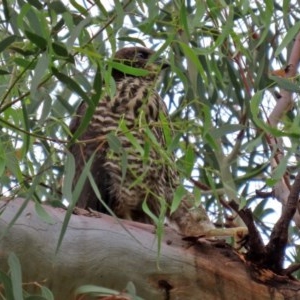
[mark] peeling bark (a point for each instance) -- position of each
(100, 251)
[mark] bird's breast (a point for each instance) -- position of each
(135, 95)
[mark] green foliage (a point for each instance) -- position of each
(97, 291)
(12, 285)
(219, 91)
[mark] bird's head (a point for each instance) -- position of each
(138, 57)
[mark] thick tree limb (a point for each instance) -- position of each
(279, 236)
(256, 248)
(284, 104)
(271, 256)
(100, 251)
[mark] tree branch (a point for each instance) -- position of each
(284, 104)
(275, 249)
(270, 256)
(255, 245)
(100, 251)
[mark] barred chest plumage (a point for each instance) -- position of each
(136, 172)
(134, 97)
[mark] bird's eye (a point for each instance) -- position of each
(142, 55)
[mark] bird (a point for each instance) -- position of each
(138, 171)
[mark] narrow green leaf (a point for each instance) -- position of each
(16, 276)
(132, 40)
(7, 41)
(68, 177)
(60, 49)
(84, 122)
(36, 20)
(225, 129)
(29, 193)
(26, 137)
(255, 104)
(251, 172)
(266, 10)
(260, 207)
(75, 196)
(6, 10)
(154, 143)
(147, 210)
(47, 106)
(165, 124)
(36, 3)
(190, 54)
(270, 182)
(102, 8)
(97, 85)
(149, 134)
(42, 213)
(211, 141)
(130, 288)
(37, 40)
(189, 159)
(109, 83)
(292, 32)
(146, 156)
(101, 291)
(281, 168)
(199, 13)
(226, 28)
(15, 217)
(58, 7)
(72, 85)
(133, 140)
(124, 165)
(286, 6)
(286, 83)
(252, 145)
(40, 70)
(119, 12)
(12, 162)
(46, 293)
(2, 159)
(80, 8)
(98, 195)
(127, 69)
(26, 64)
(114, 142)
(243, 202)
(174, 143)
(234, 78)
(183, 15)
(177, 198)
(4, 72)
(6, 283)
(75, 32)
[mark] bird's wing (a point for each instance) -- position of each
(90, 142)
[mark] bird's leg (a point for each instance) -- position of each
(239, 234)
(193, 221)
